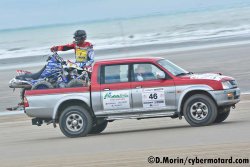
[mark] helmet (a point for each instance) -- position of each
(80, 35)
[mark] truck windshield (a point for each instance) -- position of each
(172, 68)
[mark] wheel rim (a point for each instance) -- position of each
(199, 111)
(74, 122)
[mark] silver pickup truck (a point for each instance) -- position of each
(134, 88)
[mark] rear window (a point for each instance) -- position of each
(116, 73)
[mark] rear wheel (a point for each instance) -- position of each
(200, 110)
(99, 128)
(75, 121)
(42, 85)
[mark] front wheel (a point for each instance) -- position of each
(75, 121)
(222, 116)
(200, 110)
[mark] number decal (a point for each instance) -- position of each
(153, 98)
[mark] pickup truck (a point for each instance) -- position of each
(134, 88)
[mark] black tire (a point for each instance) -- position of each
(42, 85)
(222, 116)
(77, 83)
(75, 121)
(99, 128)
(200, 110)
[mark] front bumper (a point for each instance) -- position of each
(226, 97)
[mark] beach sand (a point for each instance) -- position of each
(126, 143)
(229, 60)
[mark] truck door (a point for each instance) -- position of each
(151, 92)
(115, 89)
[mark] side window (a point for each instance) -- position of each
(145, 72)
(116, 73)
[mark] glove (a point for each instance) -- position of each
(54, 49)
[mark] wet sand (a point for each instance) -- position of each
(126, 142)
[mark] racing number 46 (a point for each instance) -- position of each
(153, 96)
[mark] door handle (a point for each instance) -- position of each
(106, 89)
(138, 87)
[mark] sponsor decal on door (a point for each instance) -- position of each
(116, 100)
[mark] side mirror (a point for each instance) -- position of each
(160, 75)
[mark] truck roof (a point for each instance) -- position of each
(129, 60)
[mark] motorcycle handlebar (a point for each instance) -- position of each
(57, 57)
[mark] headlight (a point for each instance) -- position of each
(226, 85)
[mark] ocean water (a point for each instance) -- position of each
(173, 28)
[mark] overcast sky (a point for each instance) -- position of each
(26, 13)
